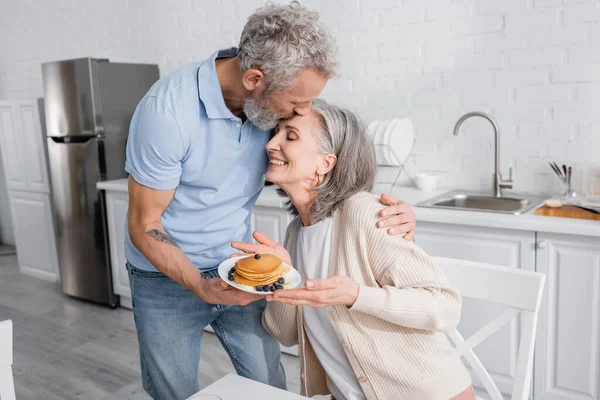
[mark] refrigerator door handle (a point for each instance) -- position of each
(72, 139)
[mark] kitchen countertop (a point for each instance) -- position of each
(268, 198)
(525, 222)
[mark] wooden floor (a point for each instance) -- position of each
(69, 349)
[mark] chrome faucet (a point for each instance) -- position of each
(499, 184)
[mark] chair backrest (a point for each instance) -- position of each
(7, 385)
(521, 291)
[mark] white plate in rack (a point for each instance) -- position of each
(292, 277)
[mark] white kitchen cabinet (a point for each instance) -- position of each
(567, 355)
(116, 212)
(27, 183)
(32, 147)
(10, 146)
(512, 248)
(271, 221)
(34, 234)
(22, 147)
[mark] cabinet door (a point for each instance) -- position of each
(116, 213)
(514, 249)
(271, 221)
(567, 354)
(32, 147)
(34, 234)
(10, 146)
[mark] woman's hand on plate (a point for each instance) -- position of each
(265, 245)
(336, 290)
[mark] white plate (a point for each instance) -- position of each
(292, 277)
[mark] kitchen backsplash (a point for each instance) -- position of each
(533, 64)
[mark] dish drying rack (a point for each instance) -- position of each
(389, 167)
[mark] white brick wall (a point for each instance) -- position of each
(534, 64)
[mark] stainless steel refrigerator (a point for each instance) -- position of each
(88, 106)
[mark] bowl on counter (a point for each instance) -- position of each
(426, 181)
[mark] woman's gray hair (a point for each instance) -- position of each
(343, 134)
(282, 41)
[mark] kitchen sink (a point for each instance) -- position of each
(460, 200)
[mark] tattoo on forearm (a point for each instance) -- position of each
(162, 237)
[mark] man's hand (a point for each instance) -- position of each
(336, 290)
(215, 291)
(265, 245)
(398, 217)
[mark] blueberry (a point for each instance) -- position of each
(281, 281)
(259, 288)
(266, 288)
(230, 277)
(231, 271)
(278, 286)
(272, 288)
(257, 256)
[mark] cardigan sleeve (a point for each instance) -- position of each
(413, 292)
(280, 319)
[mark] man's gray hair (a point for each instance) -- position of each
(343, 134)
(281, 41)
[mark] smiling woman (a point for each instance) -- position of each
(323, 156)
(364, 289)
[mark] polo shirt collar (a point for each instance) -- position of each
(209, 88)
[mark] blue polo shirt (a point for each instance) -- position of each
(183, 137)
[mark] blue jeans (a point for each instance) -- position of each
(170, 321)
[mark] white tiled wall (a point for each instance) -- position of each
(534, 64)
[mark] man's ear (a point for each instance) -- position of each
(253, 79)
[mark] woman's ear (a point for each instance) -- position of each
(253, 79)
(329, 161)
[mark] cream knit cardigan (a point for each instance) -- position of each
(393, 334)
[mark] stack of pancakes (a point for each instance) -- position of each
(252, 271)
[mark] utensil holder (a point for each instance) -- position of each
(569, 196)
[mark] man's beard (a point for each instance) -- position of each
(259, 113)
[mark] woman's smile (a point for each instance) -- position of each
(277, 162)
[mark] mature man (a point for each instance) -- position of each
(196, 161)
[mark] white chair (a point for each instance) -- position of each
(7, 385)
(521, 291)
